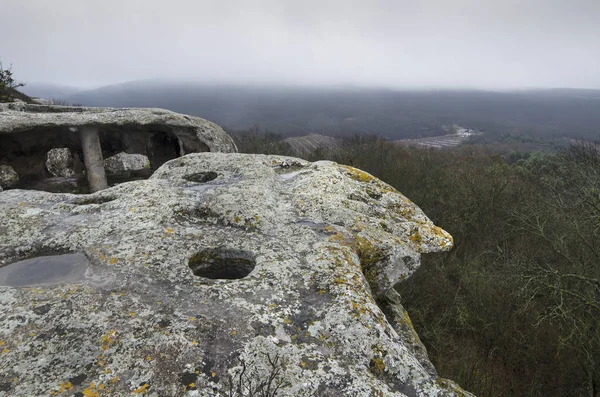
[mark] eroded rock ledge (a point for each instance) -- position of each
(221, 275)
(31, 135)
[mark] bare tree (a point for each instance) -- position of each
(561, 274)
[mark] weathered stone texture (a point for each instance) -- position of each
(195, 133)
(29, 132)
(321, 242)
(8, 176)
(59, 163)
(124, 164)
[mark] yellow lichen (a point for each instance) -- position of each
(415, 236)
(90, 391)
(142, 389)
(108, 339)
(65, 387)
(357, 174)
(439, 232)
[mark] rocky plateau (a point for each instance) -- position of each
(221, 275)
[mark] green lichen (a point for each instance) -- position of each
(371, 276)
(367, 251)
(415, 236)
(377, 365)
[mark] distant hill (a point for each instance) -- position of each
(294, 111)
(49, 91)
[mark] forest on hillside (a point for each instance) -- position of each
(514, 308)
(344, 111)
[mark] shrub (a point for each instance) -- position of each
(8, 84)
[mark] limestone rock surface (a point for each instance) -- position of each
(8, 176)
(192, 131)
(124, 163)
(221, 275)
(59, 162)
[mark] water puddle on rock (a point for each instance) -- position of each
(45, 270)
(290, 175)
(205, 187)
(77, 185)
(202, 188)
(54, 185)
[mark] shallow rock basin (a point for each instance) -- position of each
(290, 175)
(45, 270)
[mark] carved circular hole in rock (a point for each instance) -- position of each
(48, 269)
(222, 264)
(201, 177)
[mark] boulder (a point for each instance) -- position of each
(195, 134)
(124, 164)
(8, 176)
(59, 163)
(221, 275)
(29, 131)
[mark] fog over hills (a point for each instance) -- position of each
(49, 91)
(393, 114)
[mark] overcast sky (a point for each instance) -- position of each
(494, 44)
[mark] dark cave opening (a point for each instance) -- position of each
(26, 152)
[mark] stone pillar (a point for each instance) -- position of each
(181, 147)
(92, 156)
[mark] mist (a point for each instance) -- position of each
(494, 44)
